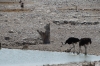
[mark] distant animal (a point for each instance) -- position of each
(22, 5)
(84, 42)
(71, 40)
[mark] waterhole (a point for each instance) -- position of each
(17, 57)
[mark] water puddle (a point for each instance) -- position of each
(16, 57)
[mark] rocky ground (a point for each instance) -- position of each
(67, 18)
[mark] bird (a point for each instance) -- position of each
(71, 40)
(84, 42)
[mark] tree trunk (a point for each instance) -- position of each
(45, 35)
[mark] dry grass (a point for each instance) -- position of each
(14, 10)
(74, 8)
(9, 3)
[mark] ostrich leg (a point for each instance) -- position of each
(85, 49)
(72, 48)
(80, 50)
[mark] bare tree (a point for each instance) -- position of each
(45, 35)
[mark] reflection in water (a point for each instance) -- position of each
(16, 57)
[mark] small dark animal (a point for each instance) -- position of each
(71, 40)
(22, 5)
(84, 42)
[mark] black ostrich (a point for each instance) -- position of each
(71, 40)
(84, 42)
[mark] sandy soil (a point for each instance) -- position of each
(18, 26)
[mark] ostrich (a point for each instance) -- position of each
(84, 42)
(71, 40)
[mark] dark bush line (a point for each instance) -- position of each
(75, 23)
